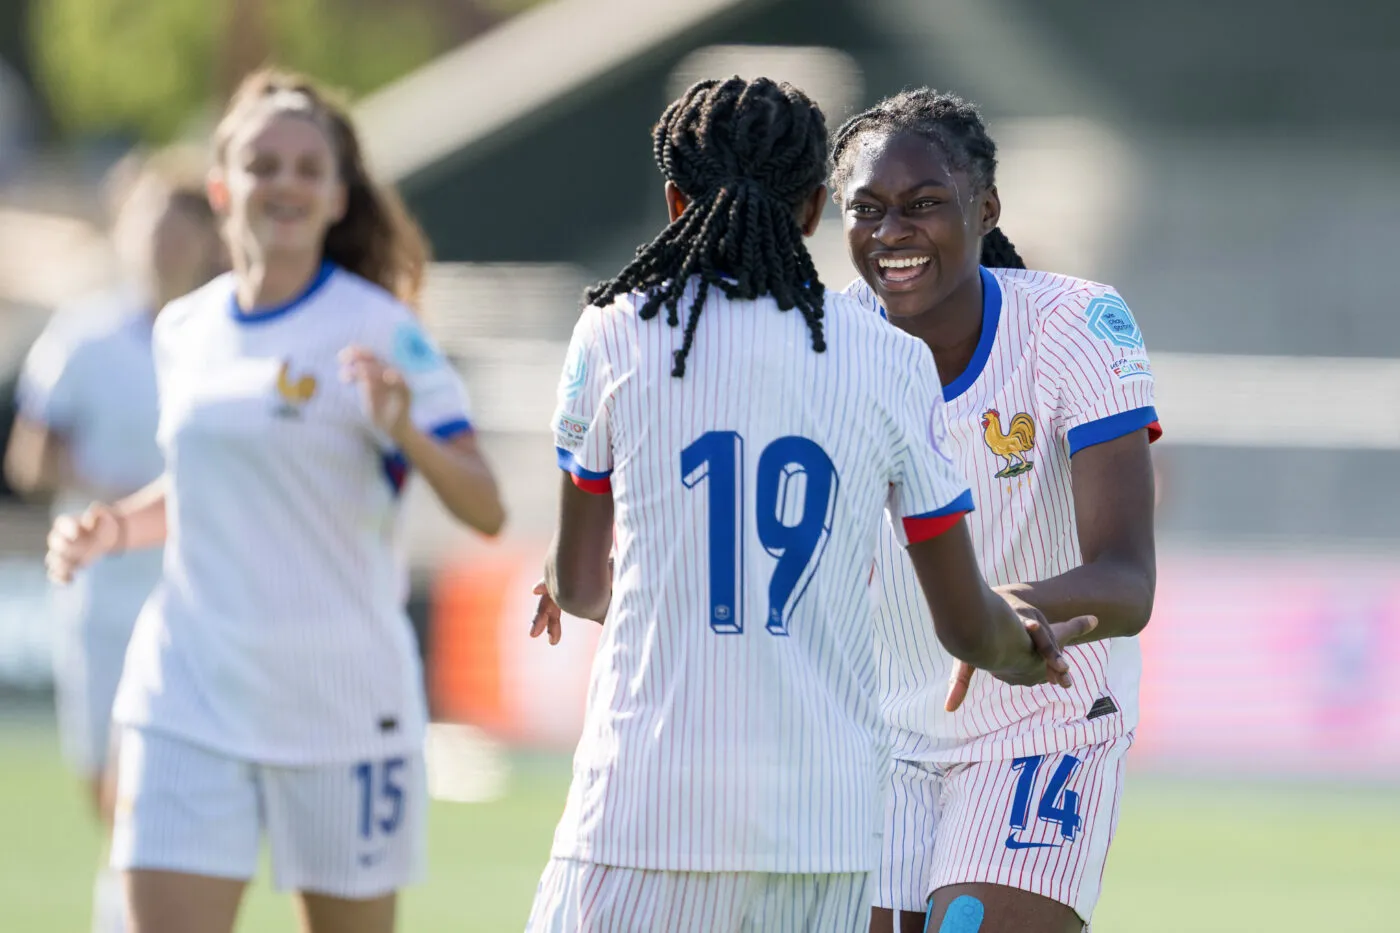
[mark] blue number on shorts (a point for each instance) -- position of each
(1066, 814)
(796, 480)
(389, 789)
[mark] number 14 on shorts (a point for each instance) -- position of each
(1057, 804)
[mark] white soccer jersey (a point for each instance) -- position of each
(1061, 365)
(732, 720)
(89, 379)
(278, 632)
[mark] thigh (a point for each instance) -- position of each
(322, 914)
(992, 908)
(183, 809)
(176, 902)
(1036, 828)
(901, 883)
(348, 832)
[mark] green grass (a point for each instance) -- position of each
(1190, 856)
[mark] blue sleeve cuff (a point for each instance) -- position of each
(568, 464)
(450, 429)
(1110, 428)
(962, 503)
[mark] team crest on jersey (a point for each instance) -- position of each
(1109, 319)
(1011, 444)
(292, 393)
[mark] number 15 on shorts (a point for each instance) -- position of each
(381, 796)
(1057, 804)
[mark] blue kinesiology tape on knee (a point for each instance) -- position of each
(964, 915)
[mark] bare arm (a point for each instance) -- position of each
(971, 621)
(1113, 506)
(459, 475)
(577, 572)
(36, 459)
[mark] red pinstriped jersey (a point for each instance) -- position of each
(1061, 365)
(733, 721)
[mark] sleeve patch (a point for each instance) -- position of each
(413, 352)
(1133, 367)
(1110, 320)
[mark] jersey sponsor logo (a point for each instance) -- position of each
(1109, 319)
(574, 375)
(1103, 706)
(1013, 843)
(293, 393)
(569, 432)
(1013, 444)
(1135, 367)
(413, 352)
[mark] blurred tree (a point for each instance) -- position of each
(144, 67)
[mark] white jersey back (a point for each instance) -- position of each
(732, 721)
(89, 379)
(278, 632)
(1061, 365)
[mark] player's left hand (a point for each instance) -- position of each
(547, 615)
(1046, 639)
(383, 390)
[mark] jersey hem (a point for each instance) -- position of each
(1004, 748)
(650, 861)
(406, 745)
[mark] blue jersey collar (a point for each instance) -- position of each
(263, 315)
(991, 317)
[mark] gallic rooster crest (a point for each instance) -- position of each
(1013, 445)
(294, 392)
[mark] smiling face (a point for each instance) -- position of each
(914, 226)
(279, 186)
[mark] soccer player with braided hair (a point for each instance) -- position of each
(737, 459)
(1003, 801)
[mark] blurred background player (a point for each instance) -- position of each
(272, 685)
(730, 767)
(86, 430)
(1004, 809)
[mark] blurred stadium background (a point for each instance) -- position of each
(1233, 168)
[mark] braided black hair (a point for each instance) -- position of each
(956, 127)
(746, 154)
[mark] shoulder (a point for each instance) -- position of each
(204, 303)
(1061, 305)
(860, 292)
(855, 317)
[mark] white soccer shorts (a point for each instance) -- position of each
(582, 897)
(1041, 823)
(354, 830)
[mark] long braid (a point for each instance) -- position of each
(746, 154)
(956, 127)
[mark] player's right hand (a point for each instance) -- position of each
(546, 615)
(75, 541)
